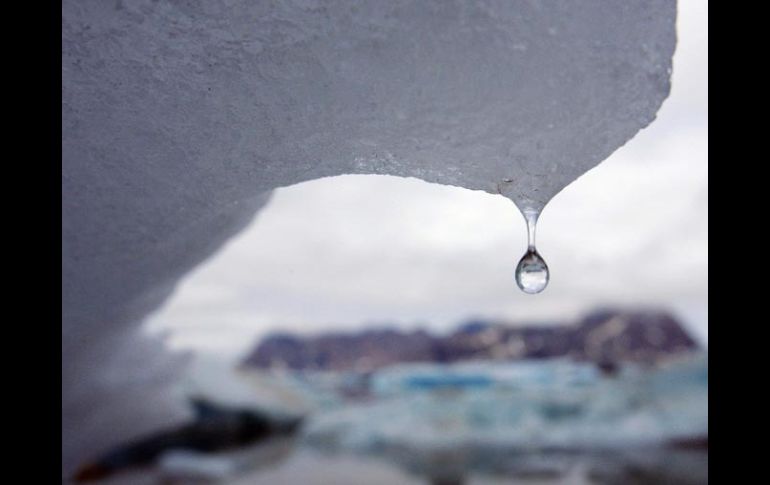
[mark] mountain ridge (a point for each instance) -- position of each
(605, 336)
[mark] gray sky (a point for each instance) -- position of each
(348, 251)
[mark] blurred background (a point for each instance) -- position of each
(369, 328)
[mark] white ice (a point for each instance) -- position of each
(179, 118)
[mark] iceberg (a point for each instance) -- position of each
(526, 406)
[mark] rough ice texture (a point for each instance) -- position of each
(178, 118)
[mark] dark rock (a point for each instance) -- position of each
(607, 337)
(215, 428)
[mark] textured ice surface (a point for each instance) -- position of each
(178, 118)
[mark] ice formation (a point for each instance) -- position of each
(178, 118)
(524, 405)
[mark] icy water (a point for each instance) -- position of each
(309, 467)
(532, 422)
(646, 467)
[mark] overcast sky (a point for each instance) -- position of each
(351, 251)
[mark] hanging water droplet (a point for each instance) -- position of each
(532, 272)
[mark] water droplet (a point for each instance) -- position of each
(532, 272)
